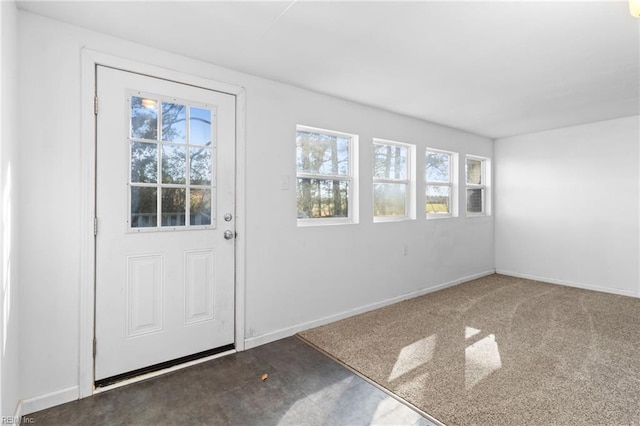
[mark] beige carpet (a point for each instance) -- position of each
(501, 351)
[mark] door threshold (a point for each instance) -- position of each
(114, 382)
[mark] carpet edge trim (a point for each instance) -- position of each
(374, 383)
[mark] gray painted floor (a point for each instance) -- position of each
(304, 387)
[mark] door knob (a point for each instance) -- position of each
(228, 234)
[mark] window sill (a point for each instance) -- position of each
(477, 215)
(386, 219)
(440, 216)
(308, 223)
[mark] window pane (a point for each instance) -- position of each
(174, 164)
(322, 198)
(474, 171)
(174, 126)
(438, 199)
(144, 207)
(389, 199)
(390, 161)
(144, 162)
(319, 153)
(200, 166)
(200, 126)
(200, 205)
(173, 207)
(475, 200)
(438, 167)
(144, 118)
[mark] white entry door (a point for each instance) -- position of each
(165, 238)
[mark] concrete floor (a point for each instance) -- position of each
(304, 387)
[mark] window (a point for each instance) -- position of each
(477, 169)
(325, 176)
(441, 179)
(171, 158)
(393, 191)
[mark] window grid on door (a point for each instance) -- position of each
(172, 150)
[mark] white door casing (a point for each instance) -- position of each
(164, 273)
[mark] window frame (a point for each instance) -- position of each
(484, 186)
(452, 184)
(160, 144)
(351, 178)
(409, 182)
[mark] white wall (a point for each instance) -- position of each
(295, 277)
(567, 206)
(9, 379)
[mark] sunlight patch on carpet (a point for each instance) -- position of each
(481, 359)
(469, 332)
(413, 356)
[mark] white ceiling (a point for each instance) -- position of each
(492, 68)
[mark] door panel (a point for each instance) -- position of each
(164, 181)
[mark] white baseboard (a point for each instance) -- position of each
(617, 291)
(41, 402)
(449, 284)
(290, 331)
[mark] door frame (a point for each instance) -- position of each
(89, 60)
